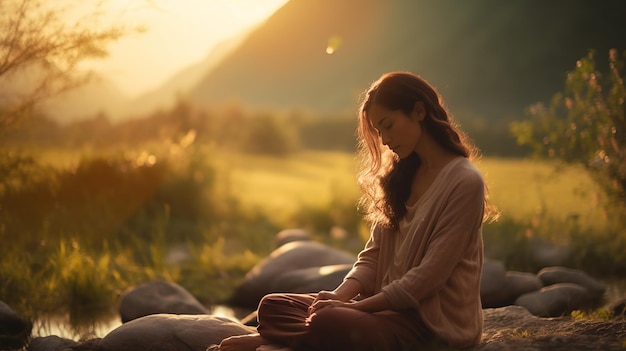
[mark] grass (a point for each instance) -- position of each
(521, 188)
(524, 188)
(280, 187)
(239, 202)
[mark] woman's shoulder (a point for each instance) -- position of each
(466, 172)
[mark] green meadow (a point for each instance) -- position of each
(84, 225)
(520, 188)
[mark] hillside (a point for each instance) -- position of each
(489, 58)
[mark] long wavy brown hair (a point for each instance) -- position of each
(384, 178)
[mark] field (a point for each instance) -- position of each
(521, 188)
(96, 223)
(280, 187)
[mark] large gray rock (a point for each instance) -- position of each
(311, 280)
(264, 278)
(513, 286)
(286, 236)
(168, 332)
(51, 343)
(158, 297)
(491, 282)
(555, 275)
(556, 300)
(14, 331)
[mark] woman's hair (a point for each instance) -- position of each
(385, 179)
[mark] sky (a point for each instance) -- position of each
(178, 33)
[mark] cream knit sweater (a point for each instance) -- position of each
(433, 264)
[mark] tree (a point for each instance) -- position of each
(585, 124)
(40, 53)
(268, 134)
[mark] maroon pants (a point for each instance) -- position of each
(284, 319)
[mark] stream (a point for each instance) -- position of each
(60, 326)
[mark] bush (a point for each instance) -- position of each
(585, 124)
(108, 198)
(267, 134)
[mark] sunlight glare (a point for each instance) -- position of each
(145, 159)
(326, 270)
(177, 34)
(334, 42)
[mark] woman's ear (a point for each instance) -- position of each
(419, 111)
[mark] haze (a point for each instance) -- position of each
(178, 33)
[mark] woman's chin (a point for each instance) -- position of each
(402, 155)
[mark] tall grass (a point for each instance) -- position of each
(85, 227)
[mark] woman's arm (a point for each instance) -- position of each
(347, 290)
(365, 268)
(373, 303)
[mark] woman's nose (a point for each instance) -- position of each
(385, 139)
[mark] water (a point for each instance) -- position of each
(61, 326)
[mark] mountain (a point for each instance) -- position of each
(102, 97)
(99, 96)
(488, 58)
(181, 82)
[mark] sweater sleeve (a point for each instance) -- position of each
(364, 270)
(454, 227)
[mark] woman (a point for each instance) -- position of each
(417, 281)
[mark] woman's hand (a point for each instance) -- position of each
(327, 295)
(319, 304)
(348, 289)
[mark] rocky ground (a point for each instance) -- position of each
(513, 328)
(519, 314)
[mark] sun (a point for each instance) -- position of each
(177, 33)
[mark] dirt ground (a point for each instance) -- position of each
(513, 328)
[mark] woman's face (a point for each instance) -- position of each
(399, 131)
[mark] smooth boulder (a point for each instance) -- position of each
(158, 297)
(286, 236)
(311, 280)
(14, 331)
(514, 285)
(555, 300)
(493, 275)
(166, 332)
(51, 343)
(557, 274)
(290, 257)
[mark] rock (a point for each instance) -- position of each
(618, 308)
(290, 235)
(158, 297)
(554, 275)
(288, 257)
(51, 343)
(555, 300)
(311, 280)
(505, 288)
(513, 328)
(168, 332)
(492, 280)
(519, 283)
(14, 331)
